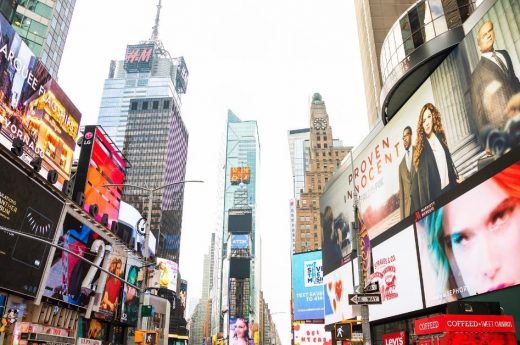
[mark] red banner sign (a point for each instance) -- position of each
(465, 323)
(397, 338)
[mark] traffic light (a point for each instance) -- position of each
(146, 337)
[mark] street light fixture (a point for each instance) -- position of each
(151, 192)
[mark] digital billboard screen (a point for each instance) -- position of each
(240, 175)
(130, 296)
(33, 107)
(239, 331)
(28, 207)
(336, 287)
(139, 58)
(467, 246)
(240, 220)
(71, 279)
(307, 283)
(239, 241)
(100, 163)
(311, 334)
(165, 275)
(396, 269)
(110, 299)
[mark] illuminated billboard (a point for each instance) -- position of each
(100, 163)
(397, 271)
(240, 175)
(71, 279)
(33, 108)
(336, 287)
(307, 283)
(240, 220)
(165, 275)
(311, 334)
(28, 207)
(239, 331)
(239, 241)
(467, 246)
(139, 58)
(130, 296)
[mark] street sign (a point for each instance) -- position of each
(372, 287)
(364, 298)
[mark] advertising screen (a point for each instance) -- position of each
(467, 246)
(397, 271)
(70, 279)
(33, 108)
(239, 332)
(130, 296)
(139, 58)
(239, 241)
(240, 175)
(111, 297)
(240, 220)
(165, 275)
(100, 163)
(311, 334)
(183, 294)
(27, 207)
(337, 285)
(308, 286)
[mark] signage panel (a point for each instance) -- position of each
(365, 298)
(139, 58)
(28, 207)
(397, 338)
(165, 275)
(310, 334)
(465, 323)
(337, 286)
(240, 220)
(130, 297)
(308, 286)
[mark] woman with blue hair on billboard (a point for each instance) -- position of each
(241, 333)
(473, 241)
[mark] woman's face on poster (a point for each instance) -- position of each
(240, 328)
(482, 234)
(428, 122)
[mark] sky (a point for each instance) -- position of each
(261, 59)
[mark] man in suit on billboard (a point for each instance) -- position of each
(406, 171)
(493, 82)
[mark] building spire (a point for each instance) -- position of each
(155, 29)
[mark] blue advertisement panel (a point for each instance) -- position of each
(308, 286)
(239, 241)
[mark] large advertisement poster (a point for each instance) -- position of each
(27, 207)
(239, 332)
(34, 110)
(111, 298)
(71, 279)
(397, 271)
(337, 286)
(100, 163)
(307, 273)
(130, 297)
(240, 220)
(165, 275)
(469, 246)
(311, 334)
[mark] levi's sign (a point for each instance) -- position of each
(364, 298)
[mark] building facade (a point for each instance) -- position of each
(325, 155)
(300, 155)
(43, 25)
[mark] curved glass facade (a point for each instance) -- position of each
(422, 22)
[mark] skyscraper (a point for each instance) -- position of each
(147, 85)
(299, 152)
(374, 19)
(325, 156)
(235, 290)
(43, 25)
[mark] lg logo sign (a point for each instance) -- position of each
(398, 338)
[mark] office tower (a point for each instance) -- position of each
(43, 25)
(325, 155)
(299, 152)
(157, 151)
(374, 20)
(236, 290)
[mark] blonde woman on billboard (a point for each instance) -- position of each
(113, 286)
(473, 241)
(241, 333)
(435, 171)
(164, 275)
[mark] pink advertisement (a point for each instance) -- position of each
(311, 334)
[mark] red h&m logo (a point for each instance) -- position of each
(138, 54)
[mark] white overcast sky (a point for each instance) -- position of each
(261, 59)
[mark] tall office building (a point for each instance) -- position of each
(43, 25)
(374, 20)
(236, 286)
(147, 85)
(325, 156)
(299, 152)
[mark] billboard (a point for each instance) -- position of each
(100, 163)
(239, 332)
(397, 271)
(130, 296)
(165, 275)
(71, 279)
(139, 58)
(240, 220)
(311, 334)
(466, 247)
(33, 108)
(239, 241)
(240, 175)
(27, 207)
(336, 287)
(307, 283)
(464, 116)
(183, 295)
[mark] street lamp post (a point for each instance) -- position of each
(151, 192)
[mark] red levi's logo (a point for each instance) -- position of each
(398, 338)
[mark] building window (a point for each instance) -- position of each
(145, 105)
(155, 105)
(133, 106)
(166, 105)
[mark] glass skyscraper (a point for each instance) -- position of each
(43, 25)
